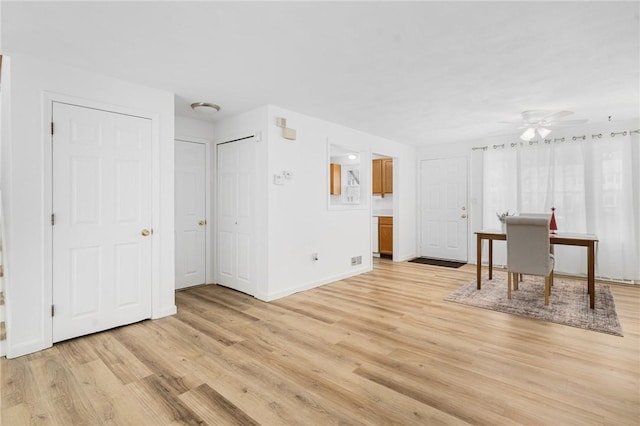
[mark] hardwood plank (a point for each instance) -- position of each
(379, 348)
(122, 363)
(215, 408)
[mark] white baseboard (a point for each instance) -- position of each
(405, 258)
(283, 293)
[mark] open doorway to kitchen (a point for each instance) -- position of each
(382, 205)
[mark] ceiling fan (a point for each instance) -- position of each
(539, 121)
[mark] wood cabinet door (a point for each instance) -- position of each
(335, 177)
(387, 175)
(385, 235)
(376, 183)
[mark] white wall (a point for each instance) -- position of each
(300, 222)
(294, 219)
(25, 188)
(188, 128)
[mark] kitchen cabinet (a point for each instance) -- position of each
(385, 235)
(376, 183)
(387, 176)
(382, 179)
(335, 177)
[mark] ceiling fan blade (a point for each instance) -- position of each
(566, 123)
(535, 115)
(556, 115)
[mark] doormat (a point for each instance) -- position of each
(568, 303)
(437, 262)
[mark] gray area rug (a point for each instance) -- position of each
(568, 303)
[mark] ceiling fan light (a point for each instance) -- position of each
(543, 132)
(528, 134)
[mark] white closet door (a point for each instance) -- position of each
(236, 193)
(190, 213)
(102, 207)
(444, 212)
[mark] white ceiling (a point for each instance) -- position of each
(415, 72)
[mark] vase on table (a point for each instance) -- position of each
(553, 227)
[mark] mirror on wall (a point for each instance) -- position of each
(345, 177)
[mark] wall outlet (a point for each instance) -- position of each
(356, 260)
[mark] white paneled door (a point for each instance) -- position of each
(236, 192)
(102, 235)
(444, 210)
(190, 213)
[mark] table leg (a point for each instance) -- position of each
(591, 274)
(478, 260)
(490, 259)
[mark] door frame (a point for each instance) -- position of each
(419, 206)
(395, 257)
(48, 99)
(209, 275)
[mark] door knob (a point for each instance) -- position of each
(145, 232)
(463, 208)
(464, 216)
(202, 222)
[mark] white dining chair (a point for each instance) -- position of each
(528, 251)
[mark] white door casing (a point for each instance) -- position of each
(235, 212)
(101, 201)
(191, 214)
(444, 209)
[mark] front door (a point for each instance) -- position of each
(236, 193)
(444, 212)
(190, 213)
(102, 236)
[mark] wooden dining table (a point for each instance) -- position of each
(562, 239)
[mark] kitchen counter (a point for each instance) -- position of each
(382, 213)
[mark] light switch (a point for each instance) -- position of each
(278, 179)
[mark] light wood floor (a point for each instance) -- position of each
(380, 348)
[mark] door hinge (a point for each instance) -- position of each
(53, 219)
(52, 127)
(53, 310)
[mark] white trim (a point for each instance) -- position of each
(313, 284)
(48, 99)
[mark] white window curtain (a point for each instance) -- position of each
(594, 186)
